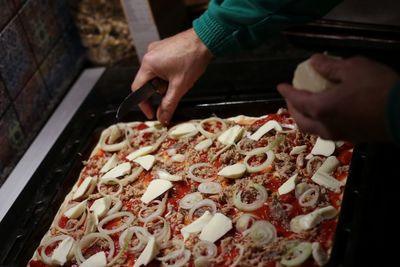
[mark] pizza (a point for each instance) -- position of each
(241, 191)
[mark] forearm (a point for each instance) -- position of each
(393, 112)
(231, 25)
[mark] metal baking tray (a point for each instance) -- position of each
(32, 213)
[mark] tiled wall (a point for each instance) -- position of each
(40, 55)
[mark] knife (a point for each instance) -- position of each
(153, 86)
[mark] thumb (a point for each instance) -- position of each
(170, 101)
(328, 66)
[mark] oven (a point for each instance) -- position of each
(231, 85)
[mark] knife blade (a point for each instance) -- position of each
(153, 86)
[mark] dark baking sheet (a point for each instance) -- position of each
(32, 213)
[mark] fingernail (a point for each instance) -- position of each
(165, 116)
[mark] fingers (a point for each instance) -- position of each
(328, 66)
(170, 101)
(141, 78)
(301, 100)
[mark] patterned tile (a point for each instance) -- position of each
(55, 72)
(5, 12)
(12, 142)
(63, 14)
(39, 21)
(32, 105)
(4, 98)
(16, 60)
(18, 3)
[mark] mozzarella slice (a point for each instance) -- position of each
(197, 225)
(60, 254)
(118, 171)
(268, 126)
(297, 150)
(76, 211)
(83, 188)
(97, 260)
(288, 186)
(231, 135)
(167, 176)
(307, 78)
(183, 129)
(329, 165)
(323, 147)
(233, 171)
(153, 124)
(146, 162)
(155, 189)
(178, 158)
(140, 152)
(111, 163)
(149, 253)
(308, 221)
(203, 145)
(327, 181)
(101, 206)
(91, 223)
(216, 228)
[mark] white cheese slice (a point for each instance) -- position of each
(203, 145)
(233, 171)
(111, 163)
(307, 78)
(83, 188)
(329, 165)
(153, 124)
(146, 162)
(323, 147)
(308, 221)
(327, 181)
(59, 256)
(197, 225)
(91, 223)
(288, 186)
(297, 150)
(183, 129)
(140, 152)
(216, 228)
(76, 211)
(178, 158)
(309, 156)
(97, 260)
(118, 171)
(162, 174)
(101, 206)
(156, 188)
(231, 135)
(268, 126)
(149, 253)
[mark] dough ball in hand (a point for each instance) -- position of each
(307, 78)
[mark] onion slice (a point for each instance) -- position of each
(262, 233)
(111, 134)
(262, 166)
(203, 203)
(42, 252)
(123, 226)
(210, 188)
(189, 200)
(197, 178)
(205, 249)
(89, 240)
(149, 212)
(208, 134)
(256, 204)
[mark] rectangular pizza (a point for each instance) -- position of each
(241, 191)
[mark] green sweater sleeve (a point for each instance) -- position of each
(393, 112)
(231, 25)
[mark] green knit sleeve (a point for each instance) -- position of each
(231, 25)
(393, 112)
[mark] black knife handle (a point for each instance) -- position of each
(159, 85)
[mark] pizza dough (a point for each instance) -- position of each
(308, 79)
(203, 191)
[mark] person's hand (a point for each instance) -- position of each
(180, 60)
(353, 109)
